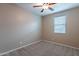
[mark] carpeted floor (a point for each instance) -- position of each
(44, 49)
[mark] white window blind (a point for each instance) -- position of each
(60, 24)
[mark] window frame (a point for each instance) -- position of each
(65, 25)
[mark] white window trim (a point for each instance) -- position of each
(60, 25)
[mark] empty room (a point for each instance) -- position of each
(39, 29)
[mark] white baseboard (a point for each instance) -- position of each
(19, 48)
(61, 44)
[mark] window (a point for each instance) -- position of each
(60, 24)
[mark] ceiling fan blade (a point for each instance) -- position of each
(38, 6)
(42, 10)
(51, 9)
(52, 3)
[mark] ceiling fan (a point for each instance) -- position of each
(45, 6)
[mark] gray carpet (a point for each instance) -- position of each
(44, 49)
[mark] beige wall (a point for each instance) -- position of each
(18, 27)
(71, 37)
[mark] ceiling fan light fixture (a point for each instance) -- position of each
(45, 7)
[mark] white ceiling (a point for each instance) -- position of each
(57, 8)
